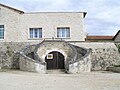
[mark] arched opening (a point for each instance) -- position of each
(55, 60)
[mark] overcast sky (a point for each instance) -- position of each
(103, 16)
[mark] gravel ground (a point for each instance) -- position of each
(19, 80)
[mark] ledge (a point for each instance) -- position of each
(35, 38)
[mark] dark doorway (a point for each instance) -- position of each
(55, 60)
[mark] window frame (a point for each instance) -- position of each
(0, 12)
(63, 32)
(35, 33)
(3, 32)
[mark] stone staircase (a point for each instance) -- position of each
(56, 71)
(77, 59)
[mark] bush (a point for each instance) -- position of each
(116, 65)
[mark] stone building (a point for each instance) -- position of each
(41, 41)
(117, 37)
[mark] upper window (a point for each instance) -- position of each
(1, 31)
(0, 11)
(35, 32)
(63, 32)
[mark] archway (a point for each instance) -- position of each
(55, 60)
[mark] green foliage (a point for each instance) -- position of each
(118, 48)
(116, 65)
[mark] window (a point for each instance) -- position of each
(63, 32)
(1, 31)
(35, 32)
(50, 56)
(0, 11)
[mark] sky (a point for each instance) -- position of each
(103, 16)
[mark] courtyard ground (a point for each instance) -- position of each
(19, 80)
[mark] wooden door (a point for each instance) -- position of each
(55, 60)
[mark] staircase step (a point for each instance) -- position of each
(56, 71)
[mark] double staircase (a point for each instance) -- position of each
(77, 58)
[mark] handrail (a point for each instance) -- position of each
(35, 51)
(26, 49)
(24, 53)
(74, 52)
(28, 58)
(78, 59)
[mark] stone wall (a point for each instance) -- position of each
(103, 58)
(103, 55)
(28, 64)
(9, 53)
(83, 64)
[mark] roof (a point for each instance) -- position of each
(100, 37)
(11, 8)
(116, 35)
(84, 13)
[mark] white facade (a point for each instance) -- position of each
(17, 24)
